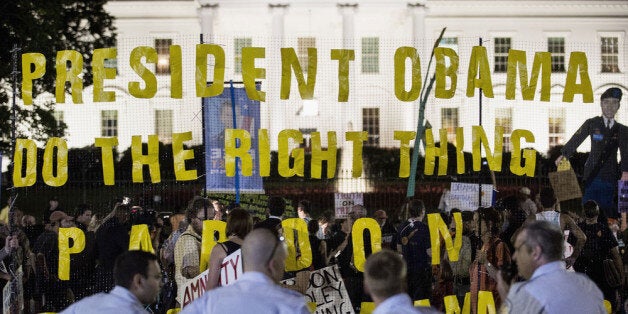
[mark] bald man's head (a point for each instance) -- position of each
(263, 252)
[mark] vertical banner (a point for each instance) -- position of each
(218, 116)
(344, 201)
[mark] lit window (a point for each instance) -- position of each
(449, 121)
(370, 55)
(502, 46)
(109, 122)
(163, 55)
(503, 118)
(238, 44)
(610, 54)
(370, 124)
(303, 44)
(556, 125)
(556, 46)
(163, 125)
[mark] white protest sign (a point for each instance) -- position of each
(193, 289)
(344, 202)
(231, 268)
(464, 196)
(328, 291)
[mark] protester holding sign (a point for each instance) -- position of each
(187, 250)
(601, 170)
(239, 224)
(257, 291)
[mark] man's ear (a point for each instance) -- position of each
(137, 281)
(537, 252)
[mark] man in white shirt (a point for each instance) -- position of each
(138, 281)
(384, 278)
(257, 291)
(548, 288)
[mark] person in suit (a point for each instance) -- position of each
(601, 168)
(276, 208)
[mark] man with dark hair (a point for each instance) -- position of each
(137, 283)
(187, 250)
(384, 278)
(549, 287)
(257, 291)
(413, 242)
(276, 208)
(601, 170)
(304, 209)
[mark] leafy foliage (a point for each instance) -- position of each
(46, 26)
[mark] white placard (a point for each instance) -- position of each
(464, 196)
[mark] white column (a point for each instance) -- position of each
(273, 111)
(418, 11)
(206, 13)
(347, 10)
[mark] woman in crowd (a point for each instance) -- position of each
(239, 224)
(492, 255)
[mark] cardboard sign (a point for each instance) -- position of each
(565, 185)
(231, 268)
(327, 290)
(464, 196)
(193, 289)
(345, 201)
(622, 196)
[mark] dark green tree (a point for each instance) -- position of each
(46, 26)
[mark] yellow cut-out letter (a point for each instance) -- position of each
(479, 59)
(62, 162)
(289, 63)
(357, 236)
(578, 65)
(233, 136)
(78, 237)
(69, 75)
(151, 158)
(30, 178)
(38, 62)
(401, 55)
(358, 139)
(404, 137)
(106, 145)
(218, 82)
(542, 64)
(250, 73)
(343, 56)
(529, 155)
(318, 155)
(290, 227)
(140, 239)
(494, 158)
(149, 77)
(284, 154)
(443, 72)
(101, 73)
(180, 155)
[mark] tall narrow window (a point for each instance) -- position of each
(610, 54)
(109, 122)
(303, 44)
(449, 121)
(58, 115)
(556, 46)
(502, 46)
(238, 44)
(163, 125)
(370, 55)
(163, 55)
(556, 125)
(370, 123)
(503, 118)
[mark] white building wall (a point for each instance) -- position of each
(396, 23)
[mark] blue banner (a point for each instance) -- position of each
(219, 115)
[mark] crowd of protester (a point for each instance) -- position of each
(487, 260)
